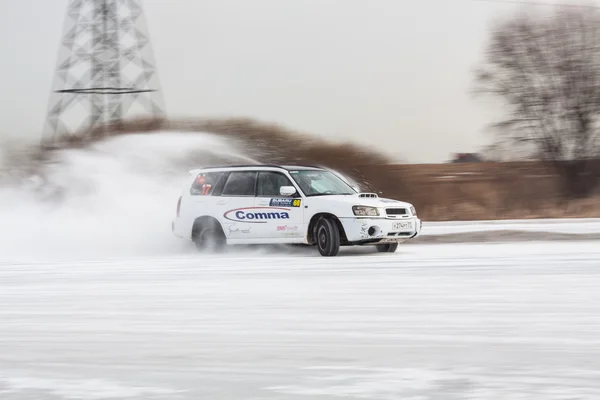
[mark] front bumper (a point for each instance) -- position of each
(381, 230)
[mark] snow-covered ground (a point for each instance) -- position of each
(477, 321)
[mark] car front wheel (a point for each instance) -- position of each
(387, 248)
(328, 237)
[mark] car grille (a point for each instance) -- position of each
(396, 211)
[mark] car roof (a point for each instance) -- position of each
(248, 166)
(301, 167)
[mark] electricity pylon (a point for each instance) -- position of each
(106, 69)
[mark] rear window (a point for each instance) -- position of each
(207, 184)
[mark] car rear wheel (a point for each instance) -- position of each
(387, 248)
(328, 237)
(209, 237)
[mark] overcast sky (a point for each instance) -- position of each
(394, 74)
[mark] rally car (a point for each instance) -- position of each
(268, 204)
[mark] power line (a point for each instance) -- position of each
(533, 3)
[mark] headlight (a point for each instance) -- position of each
(365, 211)
(413, 211)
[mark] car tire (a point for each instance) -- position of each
(209, 237)
(327, 237)
(387, 248)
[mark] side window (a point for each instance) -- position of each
(206, 183)
(240, 183)
(270, 182)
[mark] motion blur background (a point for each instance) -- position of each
(392, 74)
(469, 109)
(396, 80)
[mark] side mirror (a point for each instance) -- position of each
(287, 190)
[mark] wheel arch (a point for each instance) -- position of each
(203, 221)
(312, 226)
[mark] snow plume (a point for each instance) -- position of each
(112, 198)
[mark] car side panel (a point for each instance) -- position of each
(318, 205)
(284, 217)
(227, 209)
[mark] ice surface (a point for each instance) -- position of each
(480, 321)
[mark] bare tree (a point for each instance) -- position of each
(546, 68)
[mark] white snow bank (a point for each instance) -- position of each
(567, 225)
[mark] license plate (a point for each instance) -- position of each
(398, 226)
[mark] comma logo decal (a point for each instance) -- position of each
(257, 215)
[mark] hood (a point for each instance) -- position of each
(355, 199)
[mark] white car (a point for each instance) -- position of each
(267, 204)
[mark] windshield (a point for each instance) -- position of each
(321, 183)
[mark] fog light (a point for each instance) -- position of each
(374, 231)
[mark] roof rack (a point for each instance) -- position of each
(242, 166)
(304, 166)
(286, 167)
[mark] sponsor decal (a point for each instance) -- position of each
(236, 230)
(285, 202)
(364, 230)
(287, 228)
(206, 189)
(257, 215)
(200, 181)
